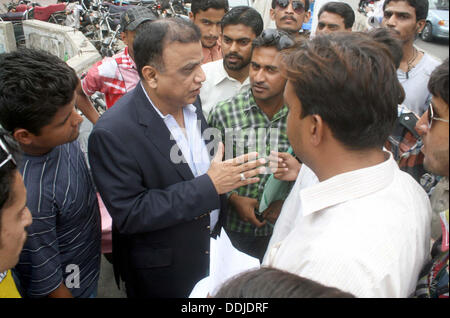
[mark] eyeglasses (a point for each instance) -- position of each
(298, 6)
(283, 41)
(431, 116)
(9, 156)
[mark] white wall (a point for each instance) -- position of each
(65, 42)
(7, 39)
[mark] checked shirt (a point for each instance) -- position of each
(245, 128)
(113, 76)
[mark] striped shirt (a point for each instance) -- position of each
(64, 237)
(247, 128)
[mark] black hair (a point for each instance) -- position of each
(360, 81)
(153, 37)
(389, 38)
(342, 9)
(438, 83)
(204, 5)
(267, 282)
(306, 2)
(34, 85)
(246, 16)
(421, 7)
(7, 171)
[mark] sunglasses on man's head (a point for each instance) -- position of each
(283, 41)
(298, 6)
(431, 116)
(9, 156)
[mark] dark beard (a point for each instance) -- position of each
(236, 67)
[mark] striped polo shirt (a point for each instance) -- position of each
(63, 244)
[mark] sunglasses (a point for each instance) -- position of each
(431, 116)
(298, 6)
(9, 156)
(283, 41)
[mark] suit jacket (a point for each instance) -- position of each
(160, 212)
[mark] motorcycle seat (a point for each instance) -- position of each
(43, 13)
(13, 16)
(117, 9)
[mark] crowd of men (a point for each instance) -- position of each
(318, 154)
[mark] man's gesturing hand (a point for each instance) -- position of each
(226, 175)
(284, 166)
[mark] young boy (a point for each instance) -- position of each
(61, 257)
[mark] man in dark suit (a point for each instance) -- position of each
(153, 170)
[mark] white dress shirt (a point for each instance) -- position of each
(366, 232)
(219, 86)
(191, 144)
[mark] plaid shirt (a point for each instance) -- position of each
(406, 149)
(433, 280)
(113, 76)
(246, 128)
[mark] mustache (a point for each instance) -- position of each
(234, 55)
(260, 85)
(288, 17)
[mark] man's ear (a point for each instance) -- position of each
(23, 136)
(317, 130)
(191, 16)
(272, 14)
(150, 75)
(420, 25)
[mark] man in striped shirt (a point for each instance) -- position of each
(61, 257)
(256, 119)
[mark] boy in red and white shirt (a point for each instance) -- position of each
(114, 76)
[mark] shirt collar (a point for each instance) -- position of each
(348, 186)
(130, 59)
(251, 103)
(191, 108)
(3, 275)
(222, 75)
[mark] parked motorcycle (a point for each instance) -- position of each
(16, 13)
(101, 24)
(98, 102)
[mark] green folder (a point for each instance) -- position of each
(275, 190)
